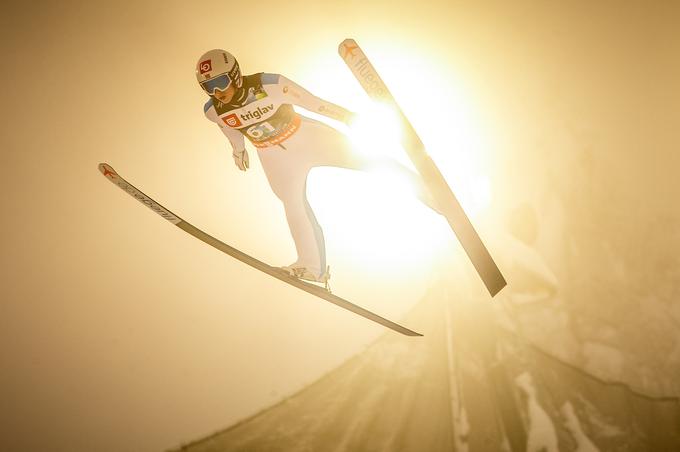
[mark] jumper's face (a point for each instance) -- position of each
(226, 95)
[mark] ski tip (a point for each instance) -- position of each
(347, 47)
(107, 170)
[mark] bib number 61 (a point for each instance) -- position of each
(260, 130)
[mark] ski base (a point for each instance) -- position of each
(370, 81)
(276, 272)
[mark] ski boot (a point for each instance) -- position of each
(301, 272)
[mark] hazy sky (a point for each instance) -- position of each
(120, 332)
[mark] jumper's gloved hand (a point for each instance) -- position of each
(350, 118)
(241, 159)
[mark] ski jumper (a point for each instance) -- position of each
(288, 146)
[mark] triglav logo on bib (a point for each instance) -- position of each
(232, 120)
(257, 114)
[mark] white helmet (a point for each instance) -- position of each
(217, 69)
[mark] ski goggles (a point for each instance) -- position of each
(221, 82)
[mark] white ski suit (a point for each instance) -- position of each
(288, 146)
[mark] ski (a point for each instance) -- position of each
(276, 272)
(368, 77)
